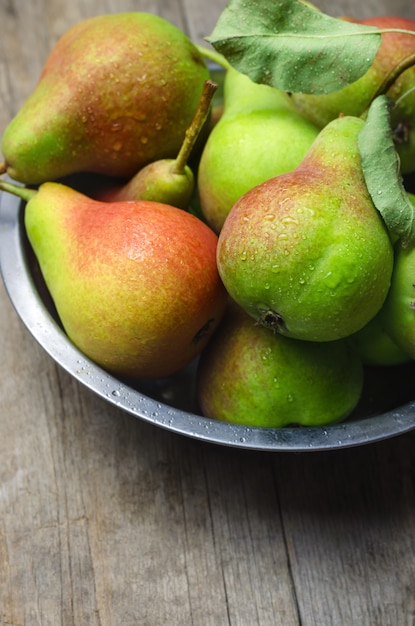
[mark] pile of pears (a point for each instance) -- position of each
(171, 226)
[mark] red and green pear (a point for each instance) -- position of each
(355, 98)
(135, 284)
(307, 253)
(251, 376)
(117, 92)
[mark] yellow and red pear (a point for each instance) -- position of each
(135, 284)
(117, 91)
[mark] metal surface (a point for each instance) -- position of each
(165, 403)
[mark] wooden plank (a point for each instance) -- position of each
(349, 523)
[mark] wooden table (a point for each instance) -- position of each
(107, 520)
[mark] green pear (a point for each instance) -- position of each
(135, 284)
(251, 376)
(307, 253)
(117, 92)
(397, 316)
(398, 312)
(258, 135)
(170, 181)
(377, 347)
(355, 98)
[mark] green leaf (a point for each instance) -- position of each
(292, 46)
(381, 169)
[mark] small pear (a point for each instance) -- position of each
(118, 91)
(258, 135)
(355, 99)
(251, 376)
(135, 284)
(170, 181)
(307, 253)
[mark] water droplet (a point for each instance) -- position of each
(289, 220)
(116, 393)
(243, 255)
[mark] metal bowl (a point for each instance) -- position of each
(386, 409)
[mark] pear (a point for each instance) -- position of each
(170, 181)
(397, 316)
(135, 284)
(117, 92)
(356, 98)
(307, 253)
(398, 312)
(251, 376)
(258, 135)
(377, 347)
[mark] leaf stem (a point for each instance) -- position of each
(193, 131)
(403, 65)
(404, 95)
(214, 56)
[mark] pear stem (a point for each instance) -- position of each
(193, 131)
(24, 193)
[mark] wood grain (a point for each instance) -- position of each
(109, 521)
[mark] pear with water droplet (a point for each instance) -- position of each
(307, 253)
(251, 376)
(135, 284)
(117, 92)
(259, 135)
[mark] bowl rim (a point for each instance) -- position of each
(31, 309)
